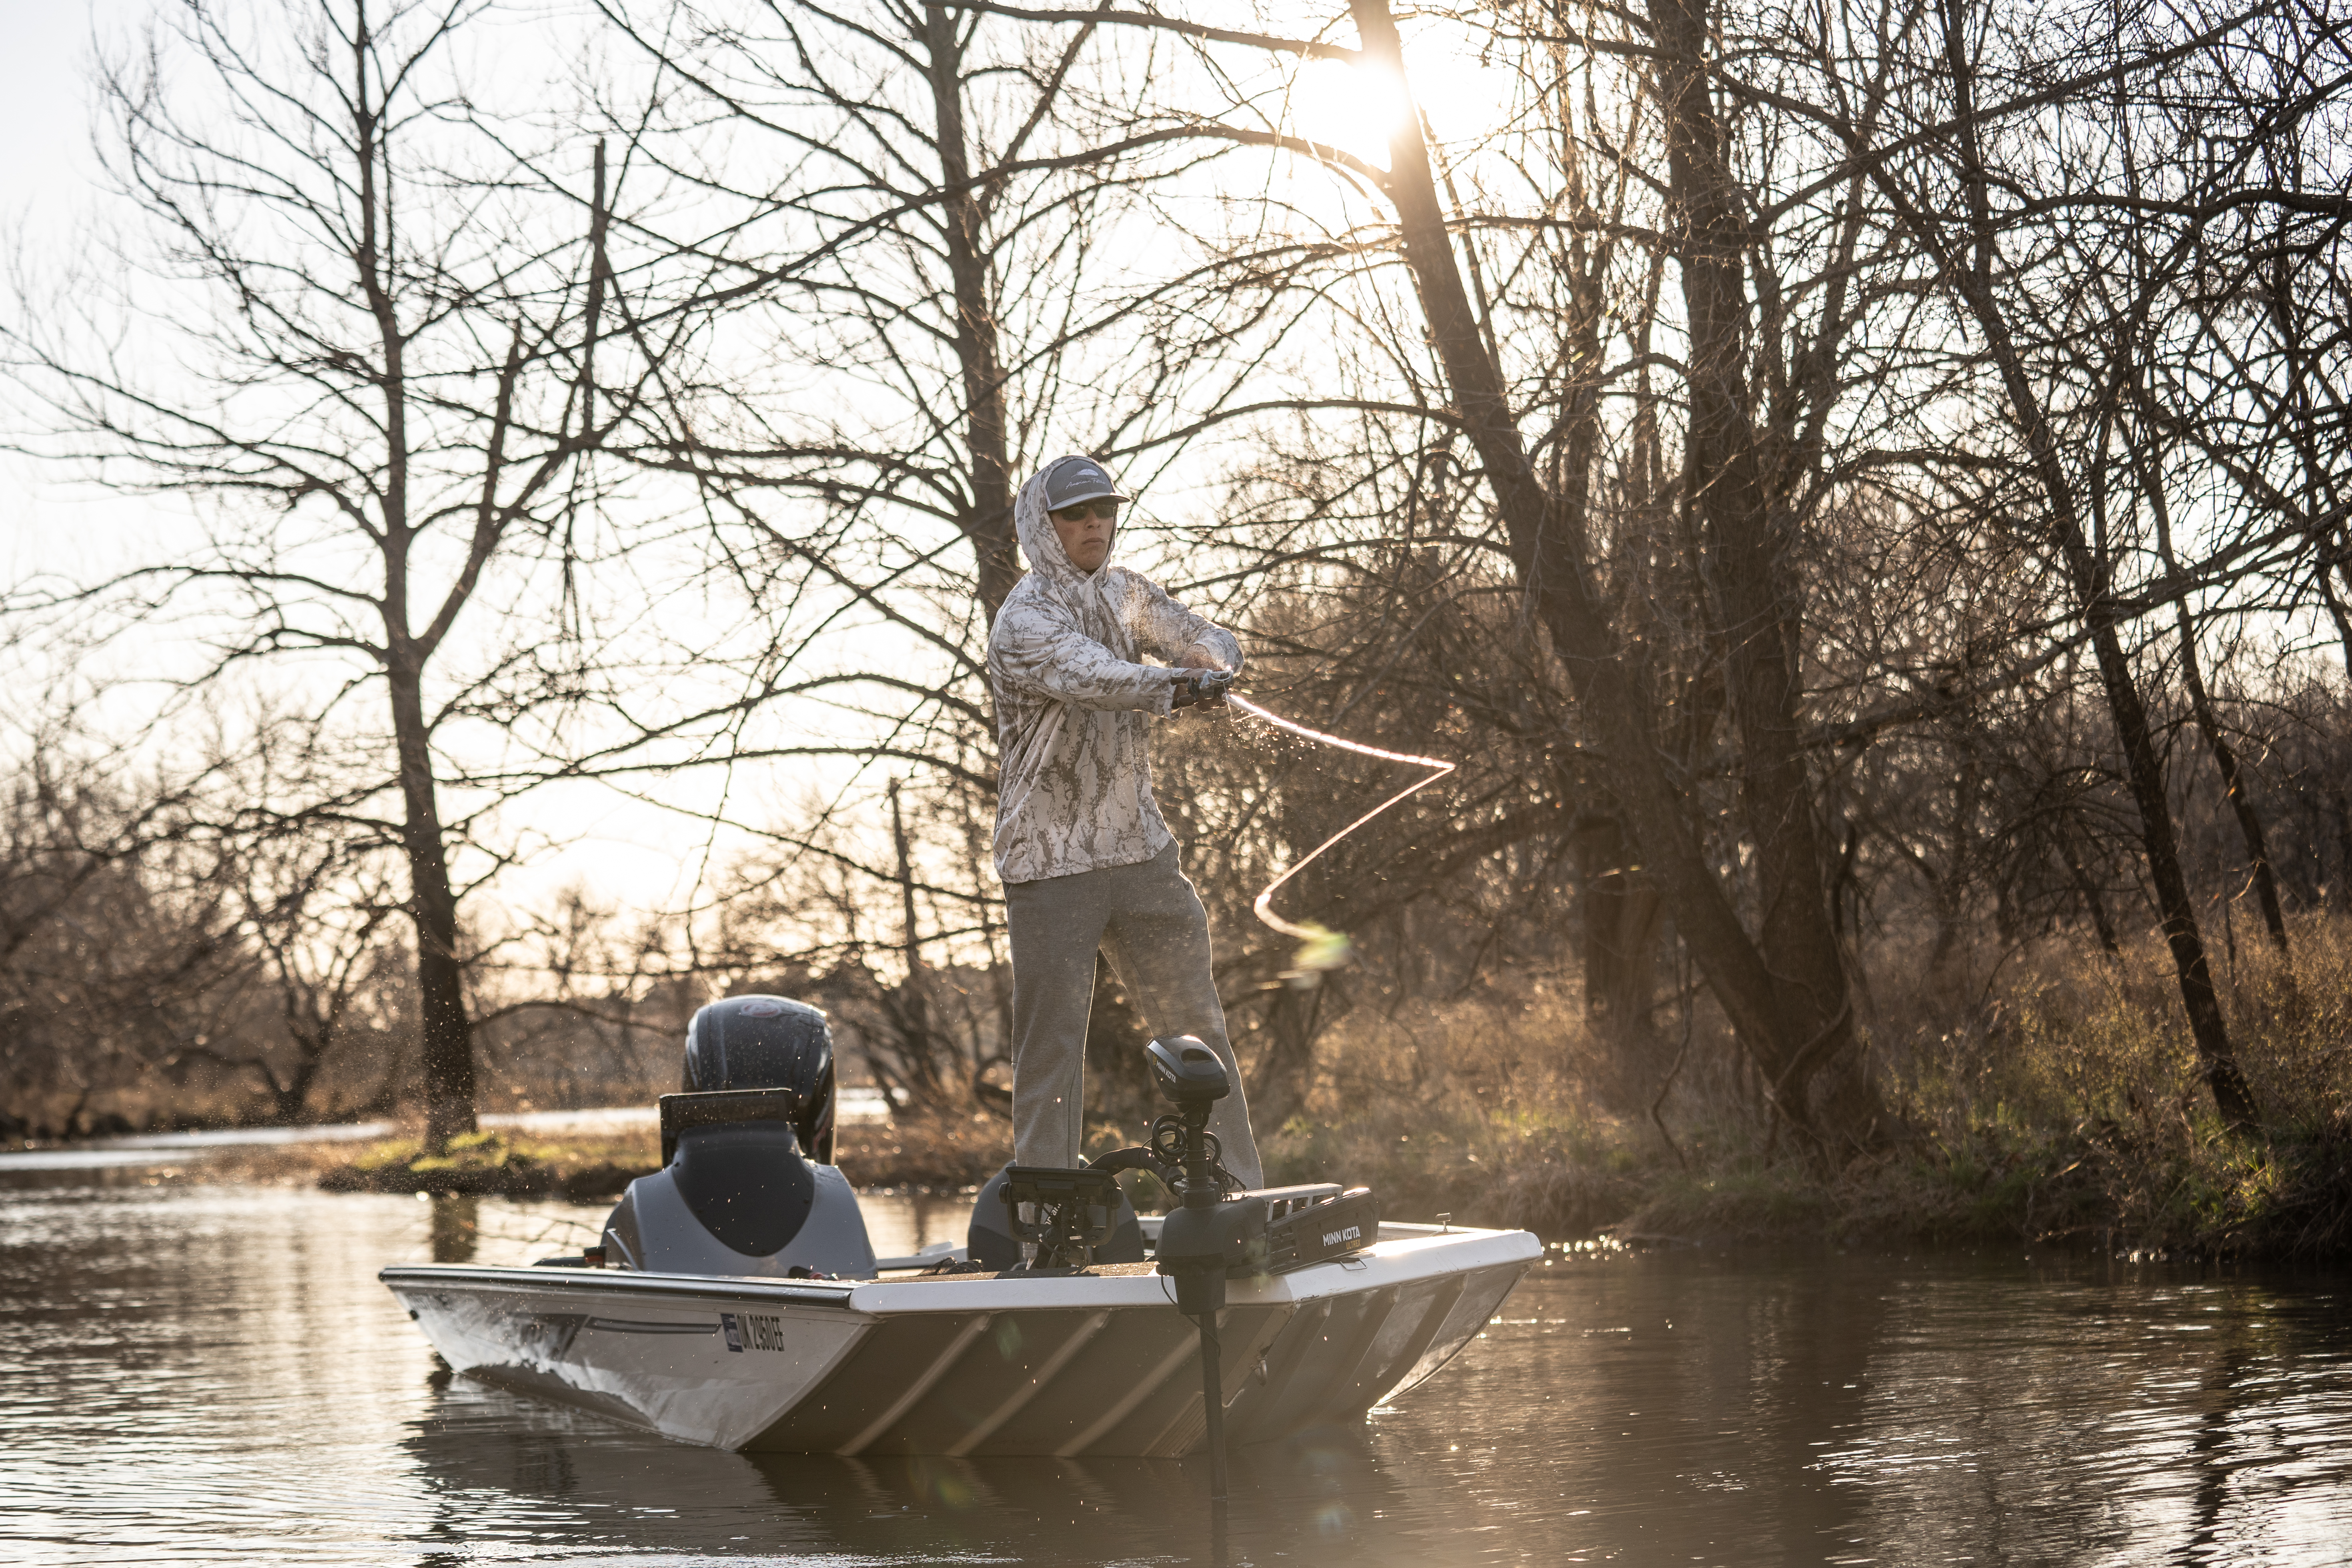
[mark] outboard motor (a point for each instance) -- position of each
(747, 1185)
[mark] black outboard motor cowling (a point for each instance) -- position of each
(768, 1042)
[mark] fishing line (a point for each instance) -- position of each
(1326, 949)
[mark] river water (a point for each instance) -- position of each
(212, 1373)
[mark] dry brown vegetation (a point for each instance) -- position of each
(2066, 1108)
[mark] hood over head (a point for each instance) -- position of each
(1041, 546)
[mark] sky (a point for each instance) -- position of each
(45, 186)
(619, 851)
(43, 90)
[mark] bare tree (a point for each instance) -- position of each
(1981, 188)
(375, 350)
(1839, 197)
(118, 936)
(1531, 411)
(314, 911)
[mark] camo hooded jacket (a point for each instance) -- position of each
(1074, 705)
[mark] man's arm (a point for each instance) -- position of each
(1188, 641)
(1037, 652)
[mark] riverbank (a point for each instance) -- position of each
(2169, 1183)
(2198, 1193)
(581, 1164)
(2067, 1107)
(2064, 1105)
(2203, 1193)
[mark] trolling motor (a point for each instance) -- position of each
(1216, 1229)
(1209, 1233)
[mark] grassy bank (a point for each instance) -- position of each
(924, 1152)
(2187, 1188)
(2199, 1191)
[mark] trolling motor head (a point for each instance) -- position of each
(1189, 1073)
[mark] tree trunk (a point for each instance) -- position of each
(2342, 807)
(1621, 926)
(448, 1044)
(290, 1099)
(1794, 1030)
(2200, 707)
(987, 519)
(1284, 1073)
(2233, 783)
(1621, 944)
(925, 1065)
(2093, 592)
(2086, 890)
(1747, 544)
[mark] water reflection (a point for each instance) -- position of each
(505, 1472)
(456, 1226)
(190, 1371)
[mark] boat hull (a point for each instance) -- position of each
(1091, 1366)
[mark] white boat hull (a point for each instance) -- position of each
(1100, 1364)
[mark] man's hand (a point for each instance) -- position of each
(1203, 687)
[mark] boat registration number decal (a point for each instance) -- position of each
(752, 1331)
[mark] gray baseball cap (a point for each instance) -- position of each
(1069, 481)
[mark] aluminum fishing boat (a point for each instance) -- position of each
(734, 1303)
(1100, 1363)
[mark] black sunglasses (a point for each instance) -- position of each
(1078, 512)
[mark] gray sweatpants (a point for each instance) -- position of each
(1149, 920)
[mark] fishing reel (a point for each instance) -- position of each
(1202, 688)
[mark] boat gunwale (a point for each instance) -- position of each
(951, 1293)
(627, 1282)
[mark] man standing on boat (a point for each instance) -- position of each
(1086, 859)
